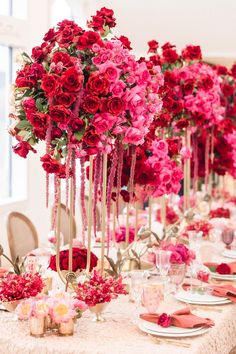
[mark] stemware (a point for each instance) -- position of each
(176, 274)
(151, 297)
(227, 237)
(138, 279)
(163, 262)
(195, 242)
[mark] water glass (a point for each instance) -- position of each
(151, 297)
(163, 262)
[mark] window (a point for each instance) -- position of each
(13, 169)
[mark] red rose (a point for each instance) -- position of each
(228, 90)
(91, 104)
(36, 71)
(76, 124)
(103, 17)
(38, 54)
(221, 70)
(59, 113)
(96, 23)
(50, 85)
(153, 45)
(98, 84)
(24, 78)
(170, 55)
(39, 120)
(125, 41)
(188, 87)
(65, 36)
(23, 148)
(40, 133)
(125, 195)
(164, 320)
(29, 105)
(87, 40)
(50, 165)
(167, 45)
(223, 268)
(163, 120)
(173, 146)
(206, 84)
(50, 35)
(192, 52)
(182, 123)
(115, 105)
(177, 106)
(91, 138)
(233, 71)
(65, 99)
(62, 57)
(56, 133)
(71, 80)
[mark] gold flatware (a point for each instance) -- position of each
(169, 341)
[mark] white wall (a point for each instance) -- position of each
(209, 23)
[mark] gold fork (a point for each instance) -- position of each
(170, 341)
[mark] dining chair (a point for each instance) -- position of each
(65, 223)
(22, 235)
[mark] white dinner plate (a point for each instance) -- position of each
(231, 277)
(170, 330)
(229, 253)
(186, 296)
(176, 335)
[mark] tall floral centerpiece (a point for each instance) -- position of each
(83, 93)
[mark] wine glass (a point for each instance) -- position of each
(163, 262)
(227, 237)
(138, 278)
(151, 297)
(177, 274)
(195, 241)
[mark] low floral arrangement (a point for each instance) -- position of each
(180, 253)
(171, 216)
(199, 226)
(17, 287)
(220, 213)
(61, 307)
(99, 289)
(120, 234)
(78, 261)
(203, 276)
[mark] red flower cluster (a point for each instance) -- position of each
(18, 287)
(79, 260)
(199, 226)
(99, 289)
(103, 18)
(171, 216)
(220, 213)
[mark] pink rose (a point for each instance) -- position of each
(111, 70)
(118, 88)
(185, 153)
(133, 136)
(103, 122)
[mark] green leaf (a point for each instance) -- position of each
(39, 104)
(79, 135)
(23, 124)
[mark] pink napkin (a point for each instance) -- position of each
(228, 291)
(232, 266)
(182, 318)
